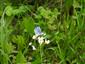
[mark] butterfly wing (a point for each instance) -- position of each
(37, 30)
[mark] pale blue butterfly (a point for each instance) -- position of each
(38, 31)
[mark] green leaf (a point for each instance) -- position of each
(68, 3)
(83, 56)
(20, 59)
(8, 47)
(37, 60)
(20, 41)
(28, 24)
(9, 10)
(76, 4)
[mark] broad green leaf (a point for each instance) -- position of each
(28, 24)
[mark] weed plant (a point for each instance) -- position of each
(42, 31)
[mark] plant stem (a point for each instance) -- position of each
(41, 53)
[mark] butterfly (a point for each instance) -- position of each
(38, 31)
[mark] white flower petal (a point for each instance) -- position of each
(47, 41)
(34, 37)
(40, 40)
(30, 43)
(33, 47)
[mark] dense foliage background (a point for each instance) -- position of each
(63, 21)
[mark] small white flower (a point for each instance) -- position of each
(47, 41)
(33, 47)
(40, 40)
(35, 36)
(30, 43)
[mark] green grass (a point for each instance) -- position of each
(62, 21)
